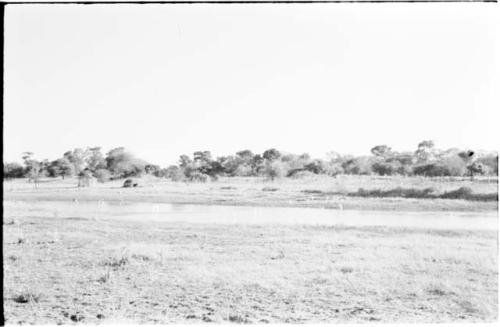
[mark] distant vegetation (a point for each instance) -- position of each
(89, 164)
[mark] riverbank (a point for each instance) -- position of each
(314, 192)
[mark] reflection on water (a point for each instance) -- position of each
(247, 215)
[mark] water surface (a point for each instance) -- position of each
(216, 214)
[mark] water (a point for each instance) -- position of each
(211, 214)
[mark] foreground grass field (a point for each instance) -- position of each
(60, 271)
(316, 191)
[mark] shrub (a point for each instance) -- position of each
(128, 183)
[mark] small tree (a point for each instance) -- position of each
(60, 167)
(271, 155)
(381, 151)
(275, 170)
(425, 151)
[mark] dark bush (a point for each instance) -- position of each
(128, 183)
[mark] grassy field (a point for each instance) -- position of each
(60, 270)
(317, 191)
(68, 270)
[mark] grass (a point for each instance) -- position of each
(391, 193)
(113, 271)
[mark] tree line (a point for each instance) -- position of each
(426, 160)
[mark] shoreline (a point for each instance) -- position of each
(325, 193)
(347, 203)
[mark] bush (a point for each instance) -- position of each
(128, 183)
(102, 175)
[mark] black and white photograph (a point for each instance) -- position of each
(239, 162)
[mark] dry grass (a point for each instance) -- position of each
(158, 272)
(312, 191)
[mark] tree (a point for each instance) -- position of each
(425, 151)
(78, 157)
(33, 168)
(245, 155)
(152, 169)
(381, 151)
(123, 164)
(184, 161)
(61, 167)
(271, 155)
(275, 170)
(258, 165)
(95, 159)
(471, 166)
(12, 170)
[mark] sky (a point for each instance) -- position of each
(164, 80)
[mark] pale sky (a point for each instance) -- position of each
(164, 80)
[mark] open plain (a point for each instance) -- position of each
(65, 268)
